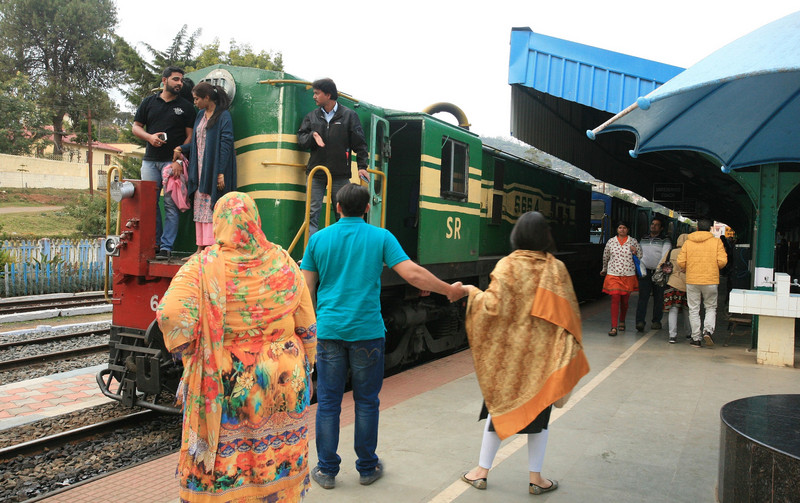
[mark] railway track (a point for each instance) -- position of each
(81, 434)
(51, 356)
(52, 301)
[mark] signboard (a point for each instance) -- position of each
(667, 192)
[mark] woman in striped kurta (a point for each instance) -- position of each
(241, 318)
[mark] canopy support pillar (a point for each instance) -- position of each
(767, 188)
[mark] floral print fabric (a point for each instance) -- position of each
(240, 316)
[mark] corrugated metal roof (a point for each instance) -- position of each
(594, 77)
(559, 89)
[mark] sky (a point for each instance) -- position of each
(410, 54)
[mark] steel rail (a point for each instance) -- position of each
(51, 357)
(81, 433)
(53, 338)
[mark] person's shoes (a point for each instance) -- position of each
(323, 479)
(621, 326)
(163, 255)
(672, 340)
(640, 326)
(477, 483)
(696, 344)
(656, 325)
(534, 489)
(689, 336)
(612, 332)
(707, 338)
(366, 480)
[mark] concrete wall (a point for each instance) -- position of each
(31, 172)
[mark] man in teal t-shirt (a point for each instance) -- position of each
(347, 259)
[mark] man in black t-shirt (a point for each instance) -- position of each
(165, 121)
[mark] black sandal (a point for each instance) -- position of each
(621, 326)
(613, 331)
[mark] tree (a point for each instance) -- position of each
(141, 75)
(65, 46)
(238, 55)
(21, 120)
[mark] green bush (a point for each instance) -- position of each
(91, 215)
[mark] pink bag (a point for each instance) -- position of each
(175, 185)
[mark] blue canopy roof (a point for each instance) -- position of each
(601, 79)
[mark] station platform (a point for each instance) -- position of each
(643, 425)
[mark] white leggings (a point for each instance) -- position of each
(537, 444)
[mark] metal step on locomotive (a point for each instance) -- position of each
(450, 199)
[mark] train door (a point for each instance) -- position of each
(379, 153)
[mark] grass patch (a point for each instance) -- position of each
(47, 224)
(11, 196)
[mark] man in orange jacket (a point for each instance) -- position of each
(702, 256)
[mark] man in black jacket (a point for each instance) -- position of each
(331, 132)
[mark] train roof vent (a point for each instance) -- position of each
(222, 78)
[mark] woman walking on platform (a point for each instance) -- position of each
(620, 273)
(527, 320)
(675, 293)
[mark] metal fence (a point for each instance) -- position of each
(52, 266)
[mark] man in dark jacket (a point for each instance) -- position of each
(331, 132)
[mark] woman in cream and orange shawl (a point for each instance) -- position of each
(240, 316)
(525, 336)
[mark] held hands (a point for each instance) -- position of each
(176, 154)
(364, 175)
(177, 168)
(457, 290)
(318, 139)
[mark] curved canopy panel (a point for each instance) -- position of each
(739, 105)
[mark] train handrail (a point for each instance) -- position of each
(108, 226)
(290, 164)
(305, 227)
(308, 84)
(383, 194)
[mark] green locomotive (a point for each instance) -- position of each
(449, 199)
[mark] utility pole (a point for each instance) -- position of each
(89, 154)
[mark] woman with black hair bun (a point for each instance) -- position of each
(212, 158)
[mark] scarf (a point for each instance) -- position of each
(525, 335)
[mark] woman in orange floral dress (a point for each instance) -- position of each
(241, 318)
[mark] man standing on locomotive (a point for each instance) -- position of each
(347, 259)
(164, 120)
(331, 132)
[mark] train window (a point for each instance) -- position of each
(499, 174)
(598, 209)
(455, 169)
(497, 209)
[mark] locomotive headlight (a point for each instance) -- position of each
(121, 190)
(111, 246)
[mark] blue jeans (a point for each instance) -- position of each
(647, 288)
(365, 361)
(318, 194)
(166, 233)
